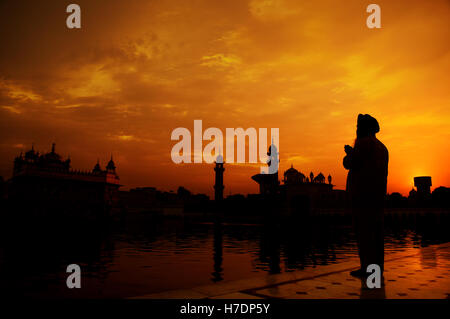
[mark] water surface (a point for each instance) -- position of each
(152, 257)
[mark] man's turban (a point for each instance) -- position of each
(368, 124)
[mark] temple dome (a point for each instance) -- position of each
(31, 154)
(291, 171)
(53, 156)
(292, 176)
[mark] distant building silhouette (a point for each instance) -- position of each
(218, 186)
(149, 201)
(319, 179)
(183, 193)
(422, 196)
(441, 196)
(299, 194)
(47, 182)
(396, 200)
(300, 191)
(423, 184)
(292, 176)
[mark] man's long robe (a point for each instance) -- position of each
(366, 187)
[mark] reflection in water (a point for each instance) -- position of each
(428, 258)
(270, 248)
(35, 263)
(217, 253)
(124, 261)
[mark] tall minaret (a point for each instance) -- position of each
(218, 186)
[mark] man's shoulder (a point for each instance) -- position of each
(370, 142)
(381, 145)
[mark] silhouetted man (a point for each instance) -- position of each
(367, 163)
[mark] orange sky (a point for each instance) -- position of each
(139, 69)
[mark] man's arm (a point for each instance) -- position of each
(356, 157)
(348, 158)
(347, 161)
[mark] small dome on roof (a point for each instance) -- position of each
(52, 156)
(97, 167)
(291, 170)
(31, 154)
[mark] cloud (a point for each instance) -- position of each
(220, 60)
(267, 10)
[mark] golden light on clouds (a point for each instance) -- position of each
(138, 69)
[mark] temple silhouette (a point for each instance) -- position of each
(46, 183)
(298, 194)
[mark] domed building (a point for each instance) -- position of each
(299, 193)
(47, 182)
(292, 176)
(308, 194)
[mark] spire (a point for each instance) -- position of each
(53, 147)
(111, 166)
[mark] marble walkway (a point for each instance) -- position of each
(416, 273)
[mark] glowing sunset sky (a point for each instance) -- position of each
(139, 69)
